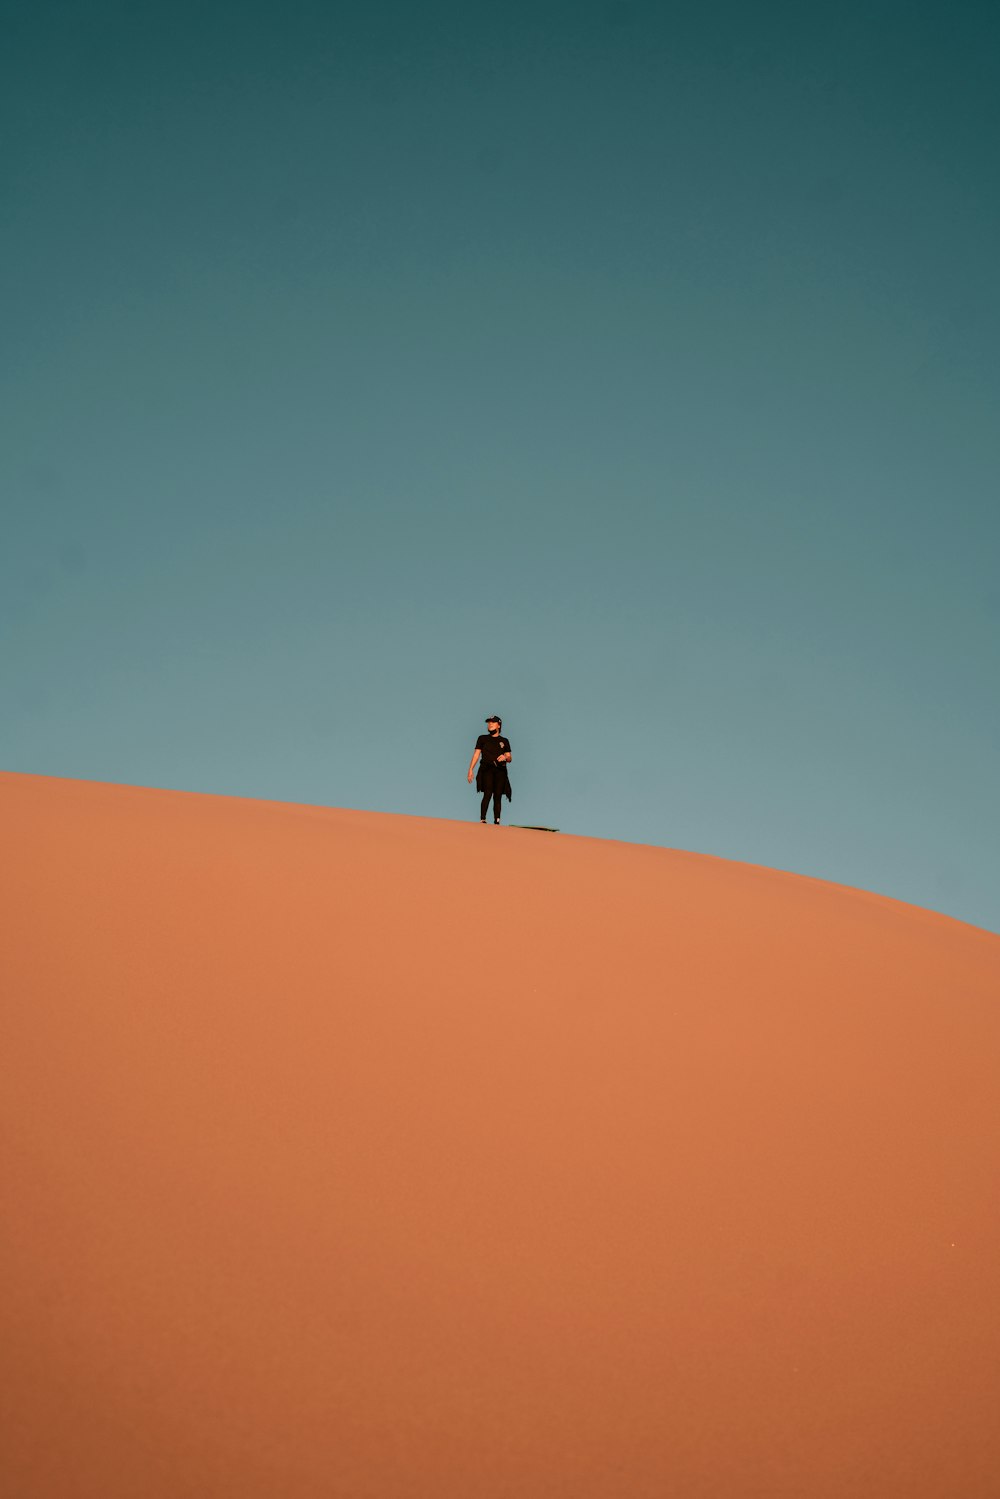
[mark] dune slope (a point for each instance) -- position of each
(354, 1155)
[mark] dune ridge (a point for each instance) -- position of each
(350, 1154)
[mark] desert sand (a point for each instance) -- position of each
(355, 1155)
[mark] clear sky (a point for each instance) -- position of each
(629, 370)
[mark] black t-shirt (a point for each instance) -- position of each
(490, 748)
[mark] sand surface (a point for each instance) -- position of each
(356, 1155)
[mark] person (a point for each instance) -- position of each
(492, 752)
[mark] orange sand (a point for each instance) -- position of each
(376, 1157)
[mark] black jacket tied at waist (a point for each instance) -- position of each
(493, 778)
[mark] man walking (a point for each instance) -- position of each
(493, 754)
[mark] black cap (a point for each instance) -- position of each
(494, 718)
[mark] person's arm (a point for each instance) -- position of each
(507, 756)
(476, 754)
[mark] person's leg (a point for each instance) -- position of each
(484, 805)
(497, 801)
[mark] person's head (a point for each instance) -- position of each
(493, 724)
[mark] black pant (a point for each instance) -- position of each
(492, 781)
(497, 795)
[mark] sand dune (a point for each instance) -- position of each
(355, 1155)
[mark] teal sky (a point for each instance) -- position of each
(627, 369)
